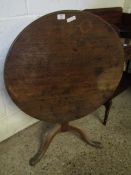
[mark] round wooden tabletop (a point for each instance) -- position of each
(58, 70)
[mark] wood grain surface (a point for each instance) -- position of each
(57, 71)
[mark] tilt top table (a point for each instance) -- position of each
(62, 67)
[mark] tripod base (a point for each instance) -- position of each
(60, 128)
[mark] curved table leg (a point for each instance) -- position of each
(107, 105)
(45, 144)
(61, 128)
(85, 137)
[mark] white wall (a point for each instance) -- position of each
(127, 6)
(14, 16)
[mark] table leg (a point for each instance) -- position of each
(107, 105)
(85, 137)
(61, 128)
(45, 144)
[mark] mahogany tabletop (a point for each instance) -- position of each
(63, 66)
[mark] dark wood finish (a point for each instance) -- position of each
(125, 32)
(44, 145)
(107, 105)
(125, 27)
(57, 71)
(126, 19)
(111, 15)
(127, 50)
(121, 22)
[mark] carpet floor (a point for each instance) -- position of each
(68, 154)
